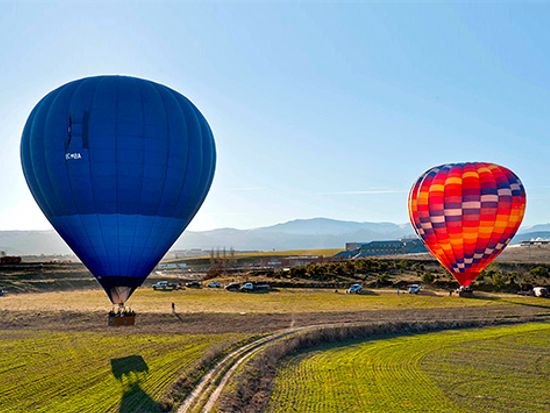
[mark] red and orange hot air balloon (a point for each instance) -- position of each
(466, 214)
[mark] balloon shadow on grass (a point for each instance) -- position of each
(130, 372)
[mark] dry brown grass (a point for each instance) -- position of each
(220, 301)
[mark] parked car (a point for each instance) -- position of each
(165, 285)
(541, 292)
(247, 287)
(414, 289)
(3, 293)
(193, 284)
(233, 287)
(214, 284)
(262, 287)
(355, 289)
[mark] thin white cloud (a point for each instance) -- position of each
(247, 189)
(374, 191)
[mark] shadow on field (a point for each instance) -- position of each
(428, 294)
(130, 371)
(134, 399)
(367, 292)
(125, 366)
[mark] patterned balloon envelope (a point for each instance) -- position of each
(466, 214)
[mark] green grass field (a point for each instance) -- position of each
(496, 369)
(221, 301)
(43, 371)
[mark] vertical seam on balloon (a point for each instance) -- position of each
(46, 167)
(475, 171)
(495, 216)
(116, 177)
(455, 255)
(412, 209)
(428, 246)
(209, 143)
(202, 184)
(167, 149)
(75, 89)
(449, 259)
(211, 150)
(418, 191)
(508, 221)
(196, 182)
(188, 139)
(92, 181)
(212, 169)
(151, 86)
(478, 245)
(198, 193)
(522, 200)
(461, 188)
(500, 239)
(35, 176)
(182, 186)
(47, 209)
(84, 228)
(138, 85)
(155, 217)
(168, 131)
(31, 169)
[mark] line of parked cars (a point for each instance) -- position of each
(248, 287)
(233, 286)
(357, 288)
(166, 286)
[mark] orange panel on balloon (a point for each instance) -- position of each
(466, 214)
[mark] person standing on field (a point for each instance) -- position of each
(173, 308)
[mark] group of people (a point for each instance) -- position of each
(121, 311)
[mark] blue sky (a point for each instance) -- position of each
(318, 109)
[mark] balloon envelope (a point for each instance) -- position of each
(466, 214)
(119, 166)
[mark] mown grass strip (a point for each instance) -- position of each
(448, 371)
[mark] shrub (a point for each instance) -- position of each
(428, 278)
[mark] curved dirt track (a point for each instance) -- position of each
(206, 394)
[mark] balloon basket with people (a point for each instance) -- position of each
(465, 292)
(121, 316)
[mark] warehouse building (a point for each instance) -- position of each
(377, 248)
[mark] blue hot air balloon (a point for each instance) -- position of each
(119, 166)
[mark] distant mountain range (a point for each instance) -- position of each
(296, 234)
